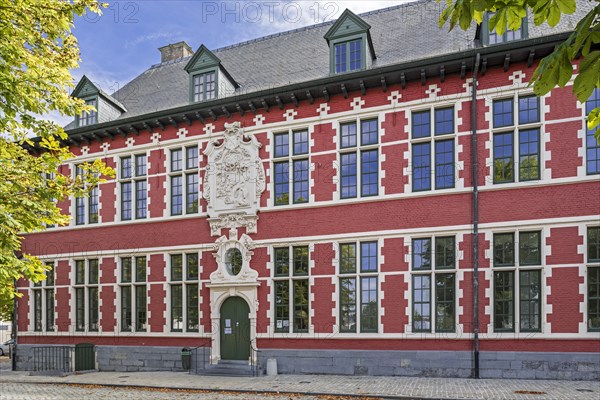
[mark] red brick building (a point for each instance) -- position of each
(315, 195)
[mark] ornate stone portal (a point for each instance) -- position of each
(233, 183)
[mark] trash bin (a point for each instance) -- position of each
(271, 367)
(186, 358)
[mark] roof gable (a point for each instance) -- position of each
(347, 24)
(85, 88)
(202, 58)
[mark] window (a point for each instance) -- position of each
(291, 289)
(134, 190)
(348, 56)
(86, 295)
(86, 211)
(593, 282)
(433, 284)
(521, 128)
(89, 118)
(437, 150)
(43, 302)
(491, 38)
(184, 171)
(591, 144)
(133, 294)
(184, 292)
(358, 275)
(359, 161)
(297, 160)
(517, 282)
(204, 86)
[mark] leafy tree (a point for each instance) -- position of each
(37, 52)
(557, 68)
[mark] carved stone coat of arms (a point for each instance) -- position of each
(234, 179)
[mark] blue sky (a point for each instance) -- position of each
(124, 41)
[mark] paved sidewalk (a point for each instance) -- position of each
(377, 387)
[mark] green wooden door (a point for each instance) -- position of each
(235, 329)
(85, 357)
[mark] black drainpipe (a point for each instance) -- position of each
(14, 332)
(475, 221)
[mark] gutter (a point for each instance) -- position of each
(475, 220)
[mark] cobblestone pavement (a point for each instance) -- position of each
(35, 391)
(384, 387)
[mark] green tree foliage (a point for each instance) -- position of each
(557, 68)
(37, 53)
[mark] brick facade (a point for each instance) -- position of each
(559, 205)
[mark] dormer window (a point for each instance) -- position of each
(208, 78)
(348, 56)
(205, 87)
(91, 117)
(106, 107)
(492, 38)
(350, 44)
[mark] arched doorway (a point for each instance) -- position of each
(235, 329)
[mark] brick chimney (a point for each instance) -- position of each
(175, 51)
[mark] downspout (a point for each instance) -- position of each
(475, 220)
(14, 332)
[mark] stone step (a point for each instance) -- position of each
(216, 371)
(240, 363)
(228, 368)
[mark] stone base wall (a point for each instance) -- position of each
(451, 364)
(125, 358)
(364, 362)
(523, 365)
(455, 364)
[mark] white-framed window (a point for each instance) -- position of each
(593, 278)
(433, 282)
(516, 129)
(592, 147)
(291, 289)
(358, 276)
(291, 166)
(517, 268)
(433, 143)
(86, 207)
(133, 294)
(184, 292)
(359, 158)
(133, 184)
(42, 294)
(183, 177)
(86, 292)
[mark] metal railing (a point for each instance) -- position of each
(53, 358)
(254, 366)
(198, 352)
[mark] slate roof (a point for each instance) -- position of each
(401, 33)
